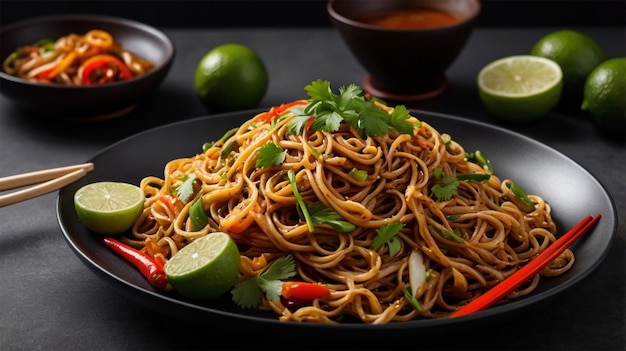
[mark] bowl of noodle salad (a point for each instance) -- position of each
(82, 66)
(400, 221)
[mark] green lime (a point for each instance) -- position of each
(604, 98)
(231, 77)
(109, 208)
(520, 88)
(206, 268)
(577, 54)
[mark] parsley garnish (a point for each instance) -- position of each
(351, 107)
(247, 294)
(270, 154)
(387, 234)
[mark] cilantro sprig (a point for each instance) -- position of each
(248, 293)
(448, 185)
(186, 189)
(329, 110)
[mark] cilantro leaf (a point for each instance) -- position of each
(282, 268)
(351, 107)
(386, 235)
(270, 154)
(297, 124)
(327, 121)
(185, 190)
(447, 188)
(247, 294)
(449, 185)
(399, 120)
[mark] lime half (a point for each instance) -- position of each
(206, 268)
(520, 88)
(109, 208)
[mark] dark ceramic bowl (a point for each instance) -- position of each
(404, 64)
(95, 102)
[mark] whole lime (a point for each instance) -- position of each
(231, 77)
(109, 208)
(206, 268)
(604, 98)
(577, 54)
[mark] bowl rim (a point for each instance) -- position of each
(354, 23)
(126, 22)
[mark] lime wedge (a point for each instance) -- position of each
(520, 88)
(206, 268)
(109, 208)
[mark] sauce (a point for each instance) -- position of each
(412, 19)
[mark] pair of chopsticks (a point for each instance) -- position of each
(53, 179)
(529, 270)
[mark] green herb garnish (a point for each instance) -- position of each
(248, 293)
(351, 107)
(449, 185)
(185, 190)
(270, 154)
(387, 235)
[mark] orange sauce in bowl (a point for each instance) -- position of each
(412, 19)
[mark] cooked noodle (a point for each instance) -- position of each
(258, 208)
(92, 58)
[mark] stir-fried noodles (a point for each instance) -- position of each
(93, 58)
(459, 229)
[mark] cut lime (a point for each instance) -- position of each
(206, 268)
(520, 88)
(109, 208)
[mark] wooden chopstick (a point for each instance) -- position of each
(529, 270)
(54, 179)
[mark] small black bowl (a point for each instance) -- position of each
(94, 102)
(404, 64)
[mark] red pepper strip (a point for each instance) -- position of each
(277, 110)
(295, 293)
(104, 63)
(151, 268)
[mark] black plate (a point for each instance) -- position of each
(571, 190)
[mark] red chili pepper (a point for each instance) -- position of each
(151, 268)
(104, 69)
(277, 110)
(295, 293)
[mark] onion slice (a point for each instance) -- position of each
(417, 271)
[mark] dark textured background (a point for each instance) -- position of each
(309, 13)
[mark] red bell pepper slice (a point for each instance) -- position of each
(101, 69)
